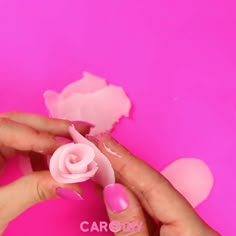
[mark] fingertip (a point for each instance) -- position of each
(92, 139)
(82, 127)
(83, 123)
(116, 197)
(123, 206)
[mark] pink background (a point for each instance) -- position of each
(175, 59)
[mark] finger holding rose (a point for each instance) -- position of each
(32, 134)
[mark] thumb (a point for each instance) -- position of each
(17, 196)
(124, 211)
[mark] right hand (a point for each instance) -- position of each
(145, 196)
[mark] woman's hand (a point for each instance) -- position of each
(35, 136)
(146, 198)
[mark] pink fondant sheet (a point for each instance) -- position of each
(92, 100)
(176, 62)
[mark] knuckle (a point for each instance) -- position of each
(41, 193)
(124, 168)
(38, 186)
(149, 190)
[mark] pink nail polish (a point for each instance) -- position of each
(83, 123)
(116, 197)
(92, 139)
(68, 194)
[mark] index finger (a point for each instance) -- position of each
(156, 194)
(57, 127)
(24, 138)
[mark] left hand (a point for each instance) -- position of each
(35, 136)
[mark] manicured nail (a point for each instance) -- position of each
(62, 140)
(116, 197)
(75, 123)
(68, 194)
(92, 139)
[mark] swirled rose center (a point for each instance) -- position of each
(77, 160)
(74, 159)
(73, 162)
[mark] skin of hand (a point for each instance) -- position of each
(144, 195)
(35, 136)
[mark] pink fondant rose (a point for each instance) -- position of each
(80, 161)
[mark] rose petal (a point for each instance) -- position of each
(191, 177)
(105, 174)
(88, 84)
(79, 151)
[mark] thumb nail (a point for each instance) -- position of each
(116, 197)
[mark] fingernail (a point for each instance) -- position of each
(92, 139)
(75, 123)
(62, 140)
(68, 194)
(101, 135)
(116, 197)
